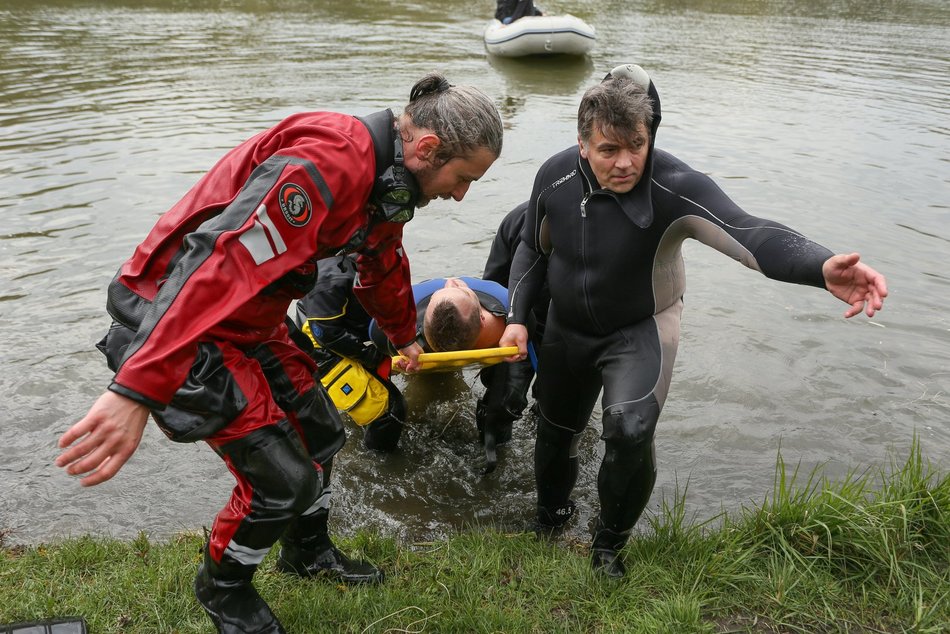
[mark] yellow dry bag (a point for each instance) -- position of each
(356, 392)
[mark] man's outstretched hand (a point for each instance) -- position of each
(854, 283)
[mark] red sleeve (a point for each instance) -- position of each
(384, 285)
(266, 231)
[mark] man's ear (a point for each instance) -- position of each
(580, 143)
(426, 147)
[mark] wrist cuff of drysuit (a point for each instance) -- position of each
(135, 396)
(405, 345)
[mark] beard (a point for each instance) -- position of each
(425, 176)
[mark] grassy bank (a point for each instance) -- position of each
(869, 554)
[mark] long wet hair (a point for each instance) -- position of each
(463, 117)
(616, 107)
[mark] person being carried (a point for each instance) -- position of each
(200, 339)
(353, 351)
(468, 313)
(611, 213)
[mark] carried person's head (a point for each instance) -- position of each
(451, 135)
(613, 131)
(453, 318)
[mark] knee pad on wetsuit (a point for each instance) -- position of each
(628, 443)
(631, 423)
(285, 482)
(278, 466)
(628, 471)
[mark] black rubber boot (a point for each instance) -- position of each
(225, 592)
(329, 563)
(550, 521)
(555, 471)
(307, 551)
(605, 552)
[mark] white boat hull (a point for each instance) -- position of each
(540, 35)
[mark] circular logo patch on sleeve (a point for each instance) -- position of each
(295, 204)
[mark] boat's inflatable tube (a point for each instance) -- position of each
(540, 35)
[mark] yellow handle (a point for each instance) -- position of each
(460, 358)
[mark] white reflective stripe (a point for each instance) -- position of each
(244, 555)
(262, 240)
(273, 233)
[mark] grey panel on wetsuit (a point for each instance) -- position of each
(544, 237)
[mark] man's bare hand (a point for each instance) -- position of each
(409, 362)
(515, 335)
(98, 445)
(854, 283)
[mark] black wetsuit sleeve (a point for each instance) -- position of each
(779, 252)
(529, 266)
(335, 318)
(498, 265)
(347, 344)
(378, 338)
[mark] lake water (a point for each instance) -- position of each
(831, 117)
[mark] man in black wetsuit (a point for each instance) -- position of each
(606, 221)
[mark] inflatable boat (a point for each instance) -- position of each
(540, 35)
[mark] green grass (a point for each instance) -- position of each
(867, 554)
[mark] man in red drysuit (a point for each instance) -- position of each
(200, 336)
